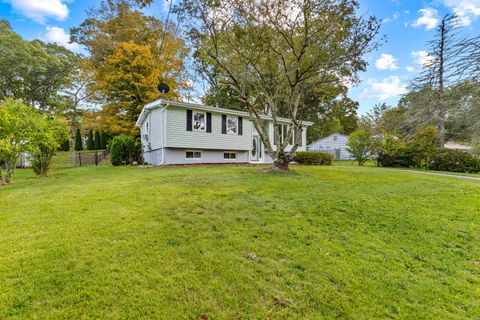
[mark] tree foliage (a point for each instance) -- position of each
(78, 140)
(360, 145)
(49, 133)
(24, 130)
(33, 71)
(90, 140)
(17, 128)
(124, 150)
(130, 54)
(272, 54)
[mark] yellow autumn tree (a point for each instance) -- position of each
(131, 54)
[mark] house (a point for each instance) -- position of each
(187, 133)
(457, 146)
(334, 144)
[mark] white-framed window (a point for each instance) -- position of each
(199, 121)
(229, 156)
(232, 125)
(335, 138)
(193, 155)
(283, 131)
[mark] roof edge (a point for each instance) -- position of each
(158, 103)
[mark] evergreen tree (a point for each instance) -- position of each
(78, 141)
(103, 141)
(90, 142)
(65, 145)
(97, 141)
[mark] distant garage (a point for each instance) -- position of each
(334, 144)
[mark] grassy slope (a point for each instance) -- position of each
(331, 242)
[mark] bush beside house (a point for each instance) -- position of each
(422, 151)
(313, 158)
(124, 150)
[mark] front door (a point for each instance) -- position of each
(255, 153)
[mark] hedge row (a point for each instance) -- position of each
(399, 154)
(313, 158)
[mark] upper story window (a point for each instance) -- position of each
(199, 121)
(335, 138)
(232, 125)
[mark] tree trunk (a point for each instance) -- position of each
(10, 169)
(441, 102)
(281, 163)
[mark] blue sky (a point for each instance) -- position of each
(408, 25)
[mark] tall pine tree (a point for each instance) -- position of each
(103, 141)
(90, 142)
(97, 141)
(78, 141)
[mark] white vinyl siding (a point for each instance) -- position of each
(329, 144)
(157, 128)
(179, 137)
(300, 148)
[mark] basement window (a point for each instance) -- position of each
(193, 155)
(229, 156)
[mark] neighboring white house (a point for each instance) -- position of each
(334, 144)
(187, 133)
(457, 146)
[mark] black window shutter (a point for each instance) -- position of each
(209, 122)
(224, 124)
(274, 137)
(240, 126)
(189, 120)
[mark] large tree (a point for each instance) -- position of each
(80, 92)
(440, 70)
(131, 53)
(33, 71)
(17, 130)
(336, 115)
(273, 53)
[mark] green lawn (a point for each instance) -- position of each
(337, 242)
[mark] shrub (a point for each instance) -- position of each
(98, 144)
(424, 145)
(65, 145)
(360, 145)
(454, 161)
(103, 140)
(90, 141)
(124, 150)
(313, 158)
(78, 141)
(394, 153)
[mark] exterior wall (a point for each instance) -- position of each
(177, 156)
(329, 145)
(303, 147)
(165, 129)
(153, 157)
(179, 137)
(153, 130)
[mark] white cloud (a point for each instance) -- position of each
(429, 18)
(387, 88)
(59, 36)
(421, 57)
(410, 69)
(395, 16)
(40, 10)
(386, 62)
(465, 10)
